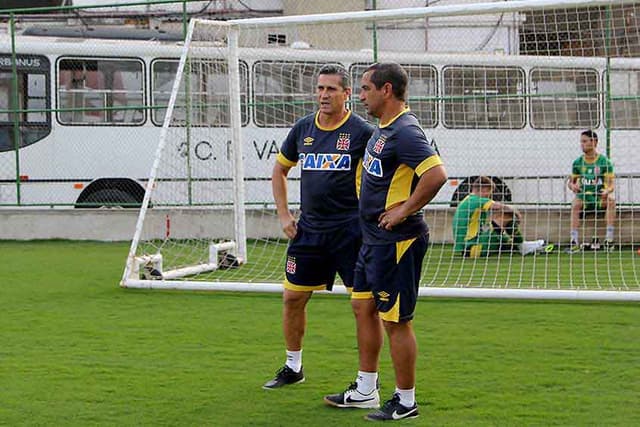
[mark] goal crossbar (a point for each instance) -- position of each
(422, 12)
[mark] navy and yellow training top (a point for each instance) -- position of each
(397, 154)
(331, 166)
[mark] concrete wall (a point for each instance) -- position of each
(119, 224)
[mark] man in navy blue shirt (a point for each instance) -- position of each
(402, 173)
(328, 145)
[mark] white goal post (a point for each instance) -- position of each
(504, 89)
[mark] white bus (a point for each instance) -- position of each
(91, 113)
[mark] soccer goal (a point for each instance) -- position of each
(503, 89)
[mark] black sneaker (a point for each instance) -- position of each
(284, 376)
(393, 410)
(352, 398)
(609, 246)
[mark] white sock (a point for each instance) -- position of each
(294, 360)
(609, 232)
(574, 236)
(528, 246)
(407, 397)
(367, 381)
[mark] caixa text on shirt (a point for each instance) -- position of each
(325, 161)
(372, 165)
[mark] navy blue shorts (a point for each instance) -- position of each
(390, 274)
(313, 258)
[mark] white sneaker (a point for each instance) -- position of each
(532, 246)
(352, 398)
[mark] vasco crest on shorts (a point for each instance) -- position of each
(291, 265)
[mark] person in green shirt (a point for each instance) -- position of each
(483, 226)
(592, 181)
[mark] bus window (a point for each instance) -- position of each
(481, 97)
(564, 98)
(209, 92)
(423, 90)
(91, 88)
(36, 98)
(625, 113)
(283, 91)
(5, 90)
(33, 94)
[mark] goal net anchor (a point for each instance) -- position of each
(221, 257)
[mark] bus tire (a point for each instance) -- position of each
(110, 193)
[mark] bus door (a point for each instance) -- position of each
(24, 120)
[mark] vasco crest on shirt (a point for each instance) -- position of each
(379, 145)
(344, 142)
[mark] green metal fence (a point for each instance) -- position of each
(29, 114)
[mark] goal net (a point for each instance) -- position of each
(503, 90)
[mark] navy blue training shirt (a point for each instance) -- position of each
(398, 153)
(331, 166)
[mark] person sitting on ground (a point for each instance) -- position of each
(483, 226)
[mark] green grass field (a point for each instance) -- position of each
(78, 350)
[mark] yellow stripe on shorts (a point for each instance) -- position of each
(392, 315)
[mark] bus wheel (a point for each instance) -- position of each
(111, 193)
(502, 192)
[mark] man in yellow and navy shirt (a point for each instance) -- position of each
(402, 173)
(328, 146)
